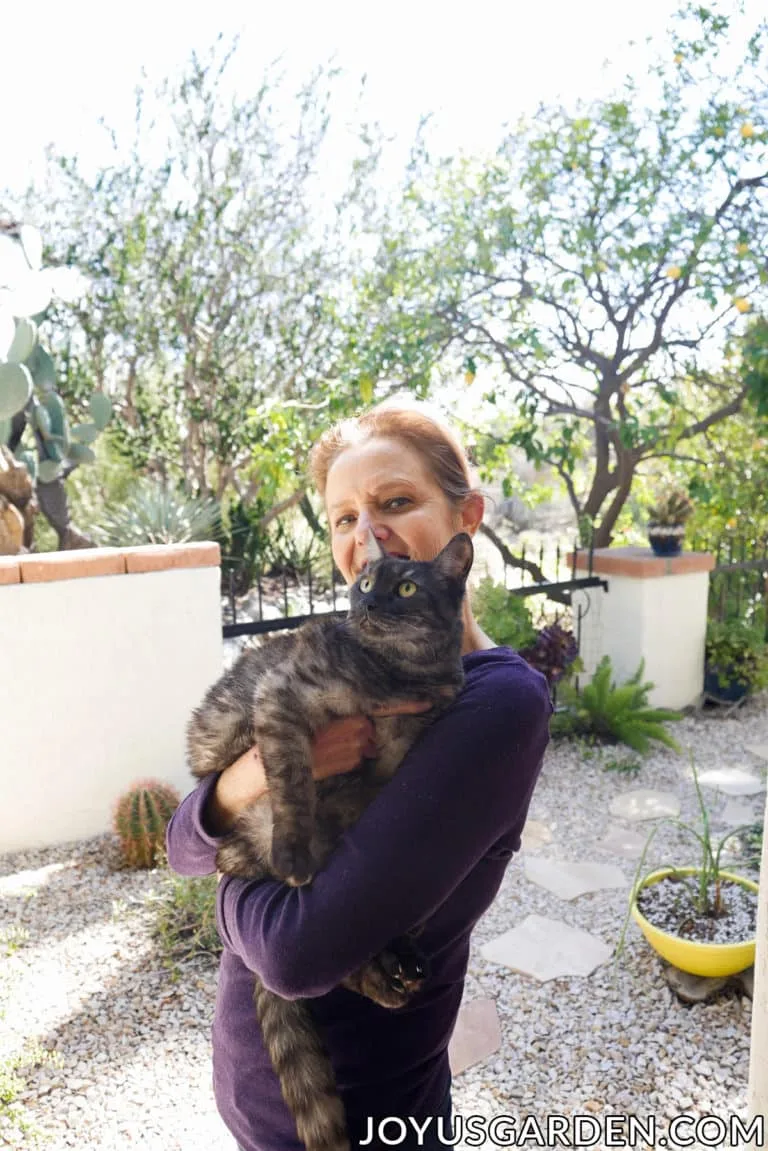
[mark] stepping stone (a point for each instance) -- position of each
(736, 812)
(569, 880)
(476, 1036)
(692, 988)
(758, 749)
(732, 780)
(624, 842)
(645, 803)
(547, 949)
(535, 834)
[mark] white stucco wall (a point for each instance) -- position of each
(97, 681)
(661, 619)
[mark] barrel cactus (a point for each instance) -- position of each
(140, 818)
(28, 395)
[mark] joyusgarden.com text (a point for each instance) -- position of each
(568, 1131)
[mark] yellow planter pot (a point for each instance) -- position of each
(688, 954)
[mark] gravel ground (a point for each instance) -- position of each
(86, 983)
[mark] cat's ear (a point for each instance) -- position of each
(373, 549)
(456, 557)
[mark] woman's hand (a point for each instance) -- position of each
(336, 748)
(342, 744)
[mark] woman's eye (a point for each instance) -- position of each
(407, 588)
(366, 583)
(399, 499)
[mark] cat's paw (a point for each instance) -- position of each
(292, 862)
(395, 974)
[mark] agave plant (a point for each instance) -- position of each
(157, 514)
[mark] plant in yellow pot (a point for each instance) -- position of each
(700, 917)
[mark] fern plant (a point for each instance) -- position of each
(621, 713)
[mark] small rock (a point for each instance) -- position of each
(747, 981)
(692, 988)
(535, 834)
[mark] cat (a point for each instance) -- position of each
(401, 640)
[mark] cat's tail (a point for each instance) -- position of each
(304, 1070)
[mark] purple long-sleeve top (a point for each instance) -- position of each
(431, 849)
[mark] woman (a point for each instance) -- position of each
(431, 849)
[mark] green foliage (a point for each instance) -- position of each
(618, 713)
(220, 291)
(140, 818)
(185, 919)
(504, 615)
(28, 376)
(637, 217)
(156, 514)
(738, 653)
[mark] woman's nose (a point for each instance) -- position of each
(364, 522)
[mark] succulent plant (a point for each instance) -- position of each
(552, 652)
(28, 396)
(671, 509)
(140, 818)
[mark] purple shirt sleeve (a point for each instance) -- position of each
(465, 785)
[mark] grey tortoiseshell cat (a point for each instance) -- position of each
(401, 640)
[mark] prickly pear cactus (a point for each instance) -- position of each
(140, 818)
(28, 396)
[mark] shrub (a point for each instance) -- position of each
(504, 615)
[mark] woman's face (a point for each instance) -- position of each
(384, 485)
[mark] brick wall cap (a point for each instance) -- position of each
(641, 563)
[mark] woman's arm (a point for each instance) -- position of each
(466, 783)
(203, 818)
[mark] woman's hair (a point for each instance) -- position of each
(416, 425)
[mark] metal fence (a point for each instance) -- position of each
(321, 592)
(738, 585)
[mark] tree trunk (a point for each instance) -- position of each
(52, 498)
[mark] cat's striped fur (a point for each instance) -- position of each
(401, 640)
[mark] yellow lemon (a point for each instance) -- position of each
(741, 305)
(674, 272)
(469, 377)
(678, 57)
(747, 130)
(742, 249)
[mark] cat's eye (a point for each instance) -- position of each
(407, 588)
(366, 583)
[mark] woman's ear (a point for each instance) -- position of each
(471, 514)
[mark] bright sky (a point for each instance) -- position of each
(477, 65)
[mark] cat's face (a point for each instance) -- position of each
(384, 485)
(398, 600)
